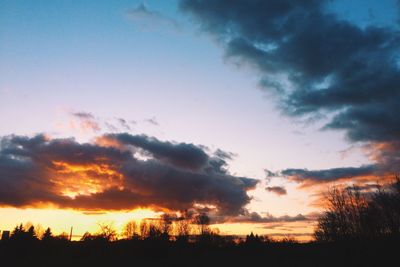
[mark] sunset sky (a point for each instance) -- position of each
(120, 110)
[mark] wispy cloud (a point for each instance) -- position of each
(148, 19)
(85, 121)
(152, 121)
(124, 124)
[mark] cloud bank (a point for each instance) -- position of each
(108, 175)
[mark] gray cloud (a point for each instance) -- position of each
(91, 176)
(364, 188)
(328, 175)
(386, 157)
(111, 127)
(279, 190)
(254, 217)
(153, 121)
(316, 63)
(86, 121)
(182, 154)
(124, 124)
(83, 115)
(224, 154)
(269, 174)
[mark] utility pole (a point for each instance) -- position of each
(70, 234)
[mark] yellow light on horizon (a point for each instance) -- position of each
(61, 220)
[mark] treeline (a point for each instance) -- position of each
(367, 213)
(166, 229)
(153, 248)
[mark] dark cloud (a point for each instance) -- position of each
(387, 163)
(364, 188)
(386, 157)
(315, 63)
(83, 115)
(268, 218)
(269, 174)
(254, 217)
(93, 176)
(328, 175)
(181, 154)
(279, 190)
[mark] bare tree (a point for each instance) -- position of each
(202, 220)
(166, 225)
(183, 229)
(107, 231)
(343, 217)
(130, 230)
(386, 205)
(355, 215)
(155, 230)
(144, 229)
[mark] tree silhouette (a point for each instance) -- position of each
(155, 231)
(107, 231)
(183, 229)
(47, 235)
(252, 239)
(144, 229)
(202, 220)
(31, 232)
(166, 226)
(353, 215)
(20, 233)
(130, 230)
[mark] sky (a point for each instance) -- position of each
(119, 110)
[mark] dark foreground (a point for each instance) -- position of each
(142, 253)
